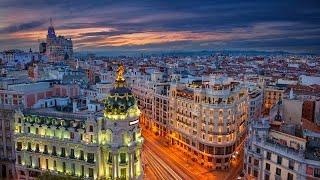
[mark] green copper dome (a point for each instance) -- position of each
(120, 103)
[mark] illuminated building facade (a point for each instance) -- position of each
(152, 93)
(208, 120)
(101, 145)
(271, 96)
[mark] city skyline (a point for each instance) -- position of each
(122, 27)
(148, 90)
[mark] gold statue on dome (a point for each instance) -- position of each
(120, 73)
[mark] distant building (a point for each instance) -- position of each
(309, 80)
(307, 98)
(42, 47)
(33, 72)
(58, 47)
(18, 59)
(28, 94)
(272, 94)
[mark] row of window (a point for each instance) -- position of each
(72, 135)
(267, 174)
(73, 167)
(90, 156)
(279, 160)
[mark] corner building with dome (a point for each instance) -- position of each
(101, 145)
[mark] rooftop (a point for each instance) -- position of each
(313, 150)
(53, 112)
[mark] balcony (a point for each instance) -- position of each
(272, 145)
(90, 161)
(109, 161)
(123, 163)
(81, 158)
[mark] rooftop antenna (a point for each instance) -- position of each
(51, 21)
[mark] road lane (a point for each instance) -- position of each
(156, 161)
(177, 161)
(170, 161)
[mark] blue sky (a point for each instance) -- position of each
(165, 25)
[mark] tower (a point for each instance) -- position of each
(121, 157)
(51, 32)
(57, 48)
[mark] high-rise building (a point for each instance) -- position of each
(100, 145)
(58, 47)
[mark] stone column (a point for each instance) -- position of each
(114, 166)
(101, 162)
(134, 169)
(130, 165)
(117, 165)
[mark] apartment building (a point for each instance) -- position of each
(208, 119)
(284, 151)
(28, 94)
(272, 95)
(255, 102)
(152, 93)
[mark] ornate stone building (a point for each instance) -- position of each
(208, 120)
(205, 119)
(101, 145)
(58, 47)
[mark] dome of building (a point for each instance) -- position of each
(120, 103)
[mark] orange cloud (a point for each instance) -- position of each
(81, 38)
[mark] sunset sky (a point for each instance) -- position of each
(164, 25)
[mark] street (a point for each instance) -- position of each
(163, 162)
